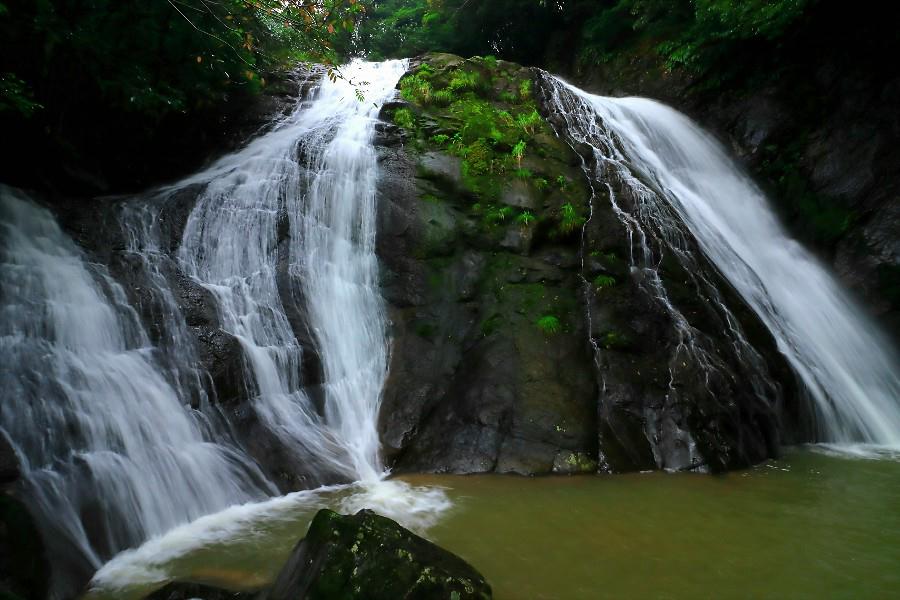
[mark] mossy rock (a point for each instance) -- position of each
(368, 556)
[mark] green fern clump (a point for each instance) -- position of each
(604, 281)
(549, 324)
(444, 97)
(478, 159)
(509, 97)
(523, 173)
(529, 122)
(569, 219)
(518, 152)
(464, 80)
(496, 215)
(525, 218)
(416, 88)
(525, 88)
(541, 184)
(440, 139)
(404, 118)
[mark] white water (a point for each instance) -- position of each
(110, 453)
(231, 247)
(102, 416)
(317, 170)
(850, 370)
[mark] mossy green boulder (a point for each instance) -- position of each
(368, 556)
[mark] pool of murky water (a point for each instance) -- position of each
(810, 525)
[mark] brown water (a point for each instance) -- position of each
(808, 526)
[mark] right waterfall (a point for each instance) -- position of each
(680, 182)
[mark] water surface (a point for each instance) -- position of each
(808, 526)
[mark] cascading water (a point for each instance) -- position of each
(100, 412)
(110, 453)
(231, 247)
(678, 175)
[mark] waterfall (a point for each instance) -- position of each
(679, 177)
(111, 454)
(232, 246)
(118, 437)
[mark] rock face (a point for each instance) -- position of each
(472, 261)
(24, 570)
(370, 556)
(522, 341)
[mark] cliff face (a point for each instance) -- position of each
(523, 340)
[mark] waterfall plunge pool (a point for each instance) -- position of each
(811, 525)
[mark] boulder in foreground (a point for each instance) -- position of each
(367, 556)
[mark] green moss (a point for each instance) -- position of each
(549, 324)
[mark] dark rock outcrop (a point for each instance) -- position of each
(508, 356)
(24, 568)
(372, 557)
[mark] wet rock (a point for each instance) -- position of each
(24, 567)
(508, 357)
(372, 557)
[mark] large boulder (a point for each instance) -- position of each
(365, 555)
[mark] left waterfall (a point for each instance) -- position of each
(110, 452)
(282, 236)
